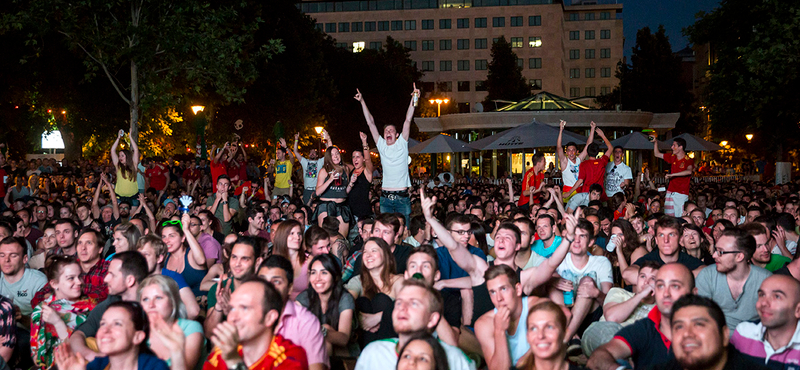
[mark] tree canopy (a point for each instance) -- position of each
(504, 80)
(755, 70)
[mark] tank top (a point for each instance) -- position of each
(569, 175)
(192, 275)
(125, 187)
(338, 188)
(358, 199)
(518, 343)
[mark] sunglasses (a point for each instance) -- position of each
(172, 222)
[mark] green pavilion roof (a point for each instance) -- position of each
(544, 101)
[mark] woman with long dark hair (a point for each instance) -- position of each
(333, 184)
(375, 290)
(695, 243)
(126, 164)
(287, 242)
(358, 197)
(327, 299)
(626, 240)
(186, 256)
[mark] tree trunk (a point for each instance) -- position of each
(134, 106)
(72, 149)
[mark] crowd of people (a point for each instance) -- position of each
(310, 263)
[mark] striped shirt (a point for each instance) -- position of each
(749, 339)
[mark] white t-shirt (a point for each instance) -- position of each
(616, 174)
(790, 245)
(310, 171)
(569, 175)
(394, 161)
(382, 354)
(598, 268)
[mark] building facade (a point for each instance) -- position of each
(571, 50)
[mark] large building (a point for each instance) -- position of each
(570, 50)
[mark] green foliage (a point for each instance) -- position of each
(652, 81)
(754, 76)
(155, 53)
(505, 80)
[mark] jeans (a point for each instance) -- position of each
(394, 203)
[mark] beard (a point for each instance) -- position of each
(707, 362)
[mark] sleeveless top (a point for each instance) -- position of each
(125, 187)
(518, 343)
(358, 199)
(338, 188)
(482, 301)
(569, 175)
(192, 275)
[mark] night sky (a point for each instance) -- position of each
(674, 15)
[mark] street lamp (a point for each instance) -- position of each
(197, 108)
(723, 143)
(438, 103)
(319, 129)
(200, 123)
(749, 137)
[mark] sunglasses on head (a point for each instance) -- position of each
(172, 222)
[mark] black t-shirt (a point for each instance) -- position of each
(452, 307)
(783, 271)
(401, 254)
(648, 346)
(684, 259)
(736, 361)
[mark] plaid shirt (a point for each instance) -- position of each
(349, 265)
(93, 284)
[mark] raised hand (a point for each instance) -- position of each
(572, 223)
(226, 338)
(600, 132)
(593, 125)
(563, 124)
(296, 136)
(427, 203)
(67, 360)
(185, 220)
(363, 137)
(416, 90)
(358, 96)
(283, 142)
(171, 336)
(121, 133)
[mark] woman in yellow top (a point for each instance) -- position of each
(126, 164)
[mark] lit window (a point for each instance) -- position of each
(534, 42)
(358, 46)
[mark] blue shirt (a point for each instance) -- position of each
(448, 268)
(175, 276)
(538, 247)
(145, 362)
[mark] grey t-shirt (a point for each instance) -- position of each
(21, 292)
(714, 285)
(310, 170)
(233, 205)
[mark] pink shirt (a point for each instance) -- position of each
(210, 246)
(300, 326)
(301, 281)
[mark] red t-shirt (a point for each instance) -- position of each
(217, 170)
(592, 171)
(282, 354)
(679, 184)
(531, 180)
(156, 176)
(191, 174)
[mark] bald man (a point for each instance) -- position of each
(774, 341)
(648, 340)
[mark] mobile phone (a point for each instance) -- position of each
(5, 179)
(662, 189)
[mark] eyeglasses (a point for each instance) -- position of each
(719, 252)
(194, 225)
(462, 232)
(172, 222)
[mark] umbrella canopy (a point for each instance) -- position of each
(529, 135)
(636, 141)
(695, 144)
(440, 144)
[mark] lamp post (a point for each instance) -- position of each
(438, 103)
(319, 129)
(749, 137)
(200, 123)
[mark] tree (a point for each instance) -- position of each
(652, 81)
(505, 79)
(754, 76)
(155, 53)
